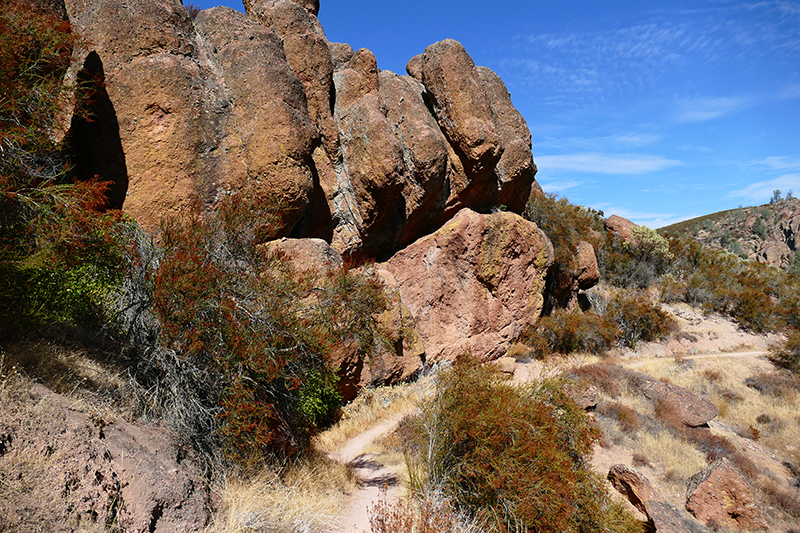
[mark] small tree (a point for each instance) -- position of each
(776, 196)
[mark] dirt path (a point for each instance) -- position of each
(755, 356)
(372, 475)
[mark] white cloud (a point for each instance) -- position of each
(643, 218)
(704, 109)
(783, 162)
(761, 191)
(606, 163)
(559, 186)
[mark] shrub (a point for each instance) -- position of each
(62, 257)
(638, 319)
(787, 354)
(566, 332)
(250, 339)
(512, 458)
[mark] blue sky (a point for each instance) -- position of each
(656, 111)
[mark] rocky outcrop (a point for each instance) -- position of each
(404, 354)
(769, 233)
(367, 160)
(685, 406)
(638, 490)
(275, 136)
(475, 283)
(721, 497)
(93, 471)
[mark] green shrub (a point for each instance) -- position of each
(638, 319)
(514, 459)
(566, 332)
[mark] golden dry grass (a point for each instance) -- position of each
(307, 496)
(371, 407)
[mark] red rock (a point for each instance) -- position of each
(461, 104)
(638, 490)
(475, 283)
(722, 497)
(620, 226)
(274, 132)
(691, 409)
(588, 273)
(308, 53)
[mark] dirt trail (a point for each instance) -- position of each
(372, 475)
(755, 356)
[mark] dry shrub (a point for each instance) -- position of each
(430, 514)
(638, 319)
(640, 460)
(774, 384)
(787, 354)
(511, 458)
(628, 419)
(305, 496)
(609, 378)
(712, 374)
(566, 332)
(788, 501)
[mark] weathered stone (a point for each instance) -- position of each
(638, 490)
(588, 273)
(515, 171)
(371, 179)
(620, 226)
(341, 54)
(691, 409)
(585, 395)
(274, 132)
(475, 283)
(307, 254)
(461, 104)
(635, 487)
(722, 497)
(425, 154)
(168, 109)
(309, 55)
(665, 518)
(414, 67)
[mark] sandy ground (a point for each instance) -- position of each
(372, 475)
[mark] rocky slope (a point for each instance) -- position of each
(767, 233)
(368, 160)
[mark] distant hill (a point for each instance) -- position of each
(768, 233)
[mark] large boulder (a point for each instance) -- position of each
(461, 104)
(682, 405)
(166, 103)
(274, 133)
(620, 226)
(475, 283)
(722, 497)
(308, 52)
(401, 358)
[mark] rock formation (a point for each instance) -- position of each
(367, 160)
(721, 497)
(105, 471)
(638, 490)
(475, 283)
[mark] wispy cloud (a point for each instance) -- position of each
(709, 108)
(559, 186)
(643, 218)
(761, 191)
(606, 163)
(782, 162)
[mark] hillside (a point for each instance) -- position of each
(768, 233)
(233, 252)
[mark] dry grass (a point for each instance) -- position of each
(371, 407)
(307, 497)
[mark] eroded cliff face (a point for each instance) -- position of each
(367, 160)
